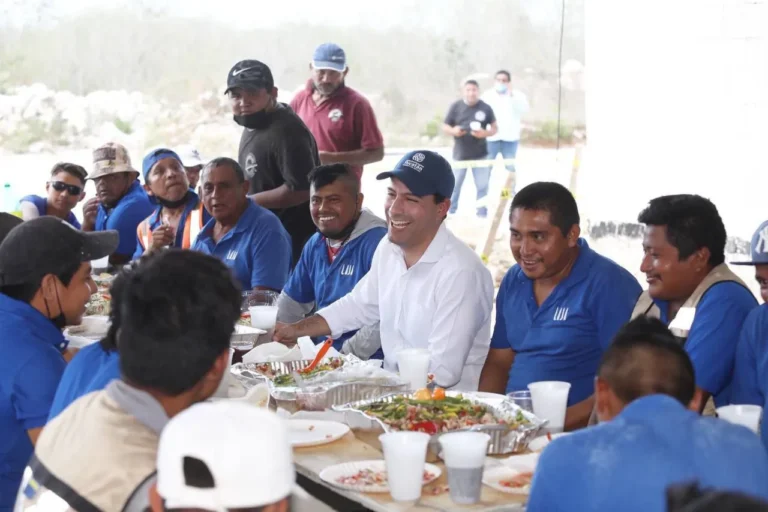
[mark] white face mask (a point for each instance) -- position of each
(501, 87)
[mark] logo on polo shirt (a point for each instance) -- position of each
(231, 255)
(334, 115)
(561, 314)
(250, 166)
(762, 241)
(480, 115)
(347, 270)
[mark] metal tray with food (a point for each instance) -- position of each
(322, 397)
(437, 412)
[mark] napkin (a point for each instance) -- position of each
(272, 352)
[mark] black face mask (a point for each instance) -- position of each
(59, 321)
(173, 204)
(255, 121)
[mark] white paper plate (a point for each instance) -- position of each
(333, 473)
(541, 442)
(304, 433)
(492, 477)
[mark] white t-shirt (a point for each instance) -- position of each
(509, 110)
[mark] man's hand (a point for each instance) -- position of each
(90, 209)
(162, 236)
(285, 333)
(326, 157)
(480, 134)
(457, 131)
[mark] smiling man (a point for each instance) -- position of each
(179, 215)
(121, 204)
(45, 283)
(65, 189)
(559, 307)
(340, 118)
(692, 290)
(337, 257)
(277, 151)
(246, 237)
(426, 288)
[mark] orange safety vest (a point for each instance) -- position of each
(192, 227)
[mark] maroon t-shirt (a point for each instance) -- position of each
(343, 122)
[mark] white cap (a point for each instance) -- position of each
(245, 448)
(190, 156)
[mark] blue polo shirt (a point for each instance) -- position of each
(564, 338)
(41, 204)
(31, 366)
(714, 335)
(193, 202)
(316, 279)
(91, 369)
(750, 371)
(132, 208)
(627, 463)
(257, 249)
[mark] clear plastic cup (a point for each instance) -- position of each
(746, 415)
(464, 455)
(405, 454)
(262, 305)
(522, 399)
(413, 364)
(550, 400)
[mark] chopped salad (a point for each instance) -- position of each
(369, 477)
(287, 379)
(521, 481)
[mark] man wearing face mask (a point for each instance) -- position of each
(337, 257)
(179, 216)
(45, 283)
(340, 118)
(509, 105)
(277, 151)
(121, 204)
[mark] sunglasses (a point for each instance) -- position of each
(60, 186)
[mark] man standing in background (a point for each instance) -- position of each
(470, 121)
(340, 118)
(509, 105)
(277, 151)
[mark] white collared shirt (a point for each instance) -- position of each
(442, 303)
(509, 110)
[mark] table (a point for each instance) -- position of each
(311, 461)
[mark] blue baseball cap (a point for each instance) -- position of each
(329, 56)
(424, 173)
(155, 156)
(758, 247)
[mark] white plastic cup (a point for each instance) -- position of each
(464, 455)
(100, 264)
(405, 454)
(746, 415)
(263, 317)
(413, 364)
(550, 400)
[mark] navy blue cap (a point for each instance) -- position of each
(424, 173)
(155, 156)
(758, 247)
(329, 56)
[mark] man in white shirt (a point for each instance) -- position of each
(509, 105)
(426, 287)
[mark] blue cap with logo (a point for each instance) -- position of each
(155, 156)
(758, 247)
(329, 56)
(424, 173)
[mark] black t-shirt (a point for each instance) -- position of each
(284, 152)
(460, 114)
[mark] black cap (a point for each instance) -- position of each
(7, 223)
(250, 74)
(47, 245)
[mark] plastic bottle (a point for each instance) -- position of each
(10, 201)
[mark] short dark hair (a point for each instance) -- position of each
(549, 197)
(504, 72)
(692, 222)
(26, 292)
(72, 169)
(690, 497)
(643, 359)
(177, 315)
(324, 175)
(471, 82)
(223, 161)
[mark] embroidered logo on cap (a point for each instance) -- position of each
(418, 157)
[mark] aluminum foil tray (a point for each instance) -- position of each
(504, 440)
